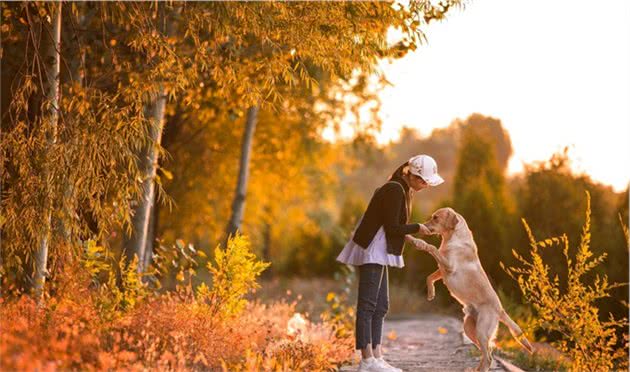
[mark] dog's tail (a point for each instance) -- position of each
(516, 331)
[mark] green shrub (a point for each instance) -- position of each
(567, 307)
(113, 297)
(234, 274)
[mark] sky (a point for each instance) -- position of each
(555, 72)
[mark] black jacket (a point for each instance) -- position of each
(388, 208)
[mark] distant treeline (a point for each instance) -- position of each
(472, 155)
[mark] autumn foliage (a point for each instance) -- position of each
(568, 306)
(176, 330)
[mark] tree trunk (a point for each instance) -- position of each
(137, 242)
(266, 251)
(238, 205)
(136, 245)
(49, 51)
(153, 225)
(76, 75)
(171, 131)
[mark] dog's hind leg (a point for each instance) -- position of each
(516, 331)
(470, 325)
(487, 323)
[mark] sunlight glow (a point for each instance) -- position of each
(556, 73)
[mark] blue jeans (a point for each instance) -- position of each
(372, 304)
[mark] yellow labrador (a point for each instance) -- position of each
(460, 269)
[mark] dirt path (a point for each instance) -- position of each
(428, 343)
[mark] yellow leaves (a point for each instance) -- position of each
(330, 296)
(442, 330)
(96, 259)
(391, 335)
(567, 305)
(112, 42)
(166, 173)
(234, 274)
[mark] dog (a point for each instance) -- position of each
(461, 271)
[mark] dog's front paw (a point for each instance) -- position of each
(415, 242)
(418, 244)
(426, 247)
(430, 296)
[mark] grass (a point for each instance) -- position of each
(310, 296)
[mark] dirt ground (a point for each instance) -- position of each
(429, 342)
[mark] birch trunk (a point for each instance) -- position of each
(137, 242)
(238, 205)
(153, 220)
(50, 48)
(76, 78)
(140, 238)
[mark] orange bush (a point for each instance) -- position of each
(64, 335)
(168, 332)
(93, 325)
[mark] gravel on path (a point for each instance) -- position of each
(430, 342)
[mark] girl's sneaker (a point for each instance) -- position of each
(372, 365)
(389, 367)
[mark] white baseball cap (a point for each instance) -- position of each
(425, 167)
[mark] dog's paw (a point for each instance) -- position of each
(430, 296)
(430, 247)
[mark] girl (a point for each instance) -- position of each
(378, 243)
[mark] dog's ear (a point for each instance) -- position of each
(451, 220)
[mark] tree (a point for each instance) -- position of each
(479, 195)
(87, 177)
(139, 243)
(551, 199)
(238, 205)
(49, 62)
